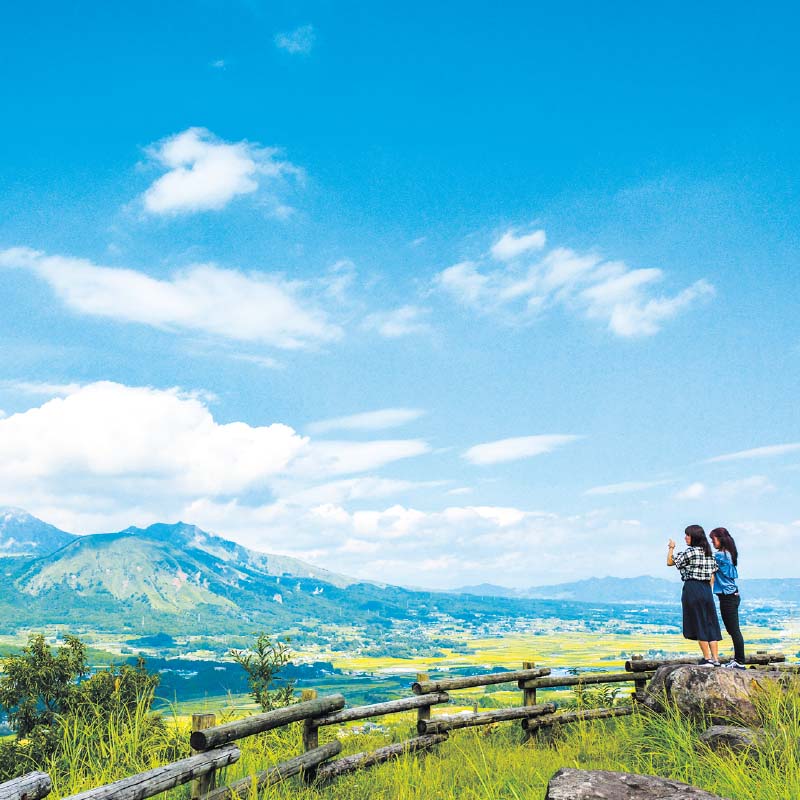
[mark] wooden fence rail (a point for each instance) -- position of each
(361, 760)
(554, 681)
(258, 723)
(307, 762)
(32, 786)
(553, 720)
(380, 709)
(471, 681)
(649, 664)
(160, 779)
(449, 722)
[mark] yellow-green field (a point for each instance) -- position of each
(567, 649)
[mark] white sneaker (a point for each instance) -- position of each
(734, 664)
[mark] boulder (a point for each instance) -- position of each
(709, 693)
(597, 784)
(732, 737)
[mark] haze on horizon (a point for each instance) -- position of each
(436, 298)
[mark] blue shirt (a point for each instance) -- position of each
(726, 575)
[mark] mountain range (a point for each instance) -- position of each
(177, 578)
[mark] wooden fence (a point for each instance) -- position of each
(213, 747)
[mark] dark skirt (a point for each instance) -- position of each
(699, 612)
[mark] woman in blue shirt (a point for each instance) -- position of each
(727, 591)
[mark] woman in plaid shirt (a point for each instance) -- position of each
(697, 567)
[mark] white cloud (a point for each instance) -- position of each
(110, 439)
(111, 454)
(367, 421)
(621, 298)
(300, 40)
(752, 487)
(205, 173)
(694, 491)
(219, 63)
(323, 459)
(403, 321)
(204, 297)
(43, 388)
(515, 448)
(740, 489)
(626, 487)
(510, 246)
(757, 452)
(350, 489)
(505, 545)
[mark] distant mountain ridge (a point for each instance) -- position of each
(22, 534)
(641, 589)
(177, 579)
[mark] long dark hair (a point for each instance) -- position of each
(726, 543)
(697, 538)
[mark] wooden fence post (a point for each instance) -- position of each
(203, 785)
(640, 684)
(423, 712)
(528, 695)
(310, 735)
(310, 730)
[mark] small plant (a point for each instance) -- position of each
(262, 664)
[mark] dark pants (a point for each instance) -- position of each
(729, 610)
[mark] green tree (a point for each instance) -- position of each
(262, 663)
(113, 690)
(38, 683)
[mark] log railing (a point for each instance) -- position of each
(213, 749)
(32, 786)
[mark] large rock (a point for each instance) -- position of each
(717, 695)
(597, 784)
(732, 738)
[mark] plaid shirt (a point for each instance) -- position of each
(695, 565)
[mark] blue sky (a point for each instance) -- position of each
(430, 295)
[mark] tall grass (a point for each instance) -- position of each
(492, 762)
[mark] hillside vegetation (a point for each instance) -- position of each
(481, 763)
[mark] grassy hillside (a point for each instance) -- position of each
(480, 763)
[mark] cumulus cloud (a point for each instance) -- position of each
(203, 298)
(757, 452)
(510, 246)
(299, 41)
(515, 448)
(626, 487)
(205, 173)
(403, 321)
(108, 450)
(367, 421)
(621, 298)
(108, 437)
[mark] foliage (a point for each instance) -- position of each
(262, 664)
(38, 684)
(602, 696)
(48, 702)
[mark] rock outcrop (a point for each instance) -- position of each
(716, 695)
(579, 784)
(732, 737)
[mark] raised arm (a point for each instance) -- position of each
(670, 551)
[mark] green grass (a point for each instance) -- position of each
(491, 762)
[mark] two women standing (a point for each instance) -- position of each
(703, 576)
